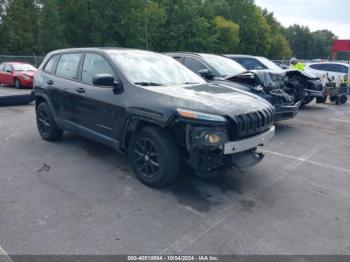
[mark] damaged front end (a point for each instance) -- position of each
(304, 87)
(215, 146)
(270, 86)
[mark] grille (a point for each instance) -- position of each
(253, 123)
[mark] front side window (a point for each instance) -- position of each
(50, 66)
(325, 67)
(224, 66)
(250, 63)
(268, 64)
(67, 66)
(148, 68)
(194, 64)
(315, 66)
(94, 64)
(8, 68)
(2, 67)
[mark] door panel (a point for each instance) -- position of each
(96, 106)
(62, 86)
(97, 109)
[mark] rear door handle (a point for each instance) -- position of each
(80, 90)
(49, 82)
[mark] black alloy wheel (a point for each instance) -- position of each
(146, 158)
(46, 123)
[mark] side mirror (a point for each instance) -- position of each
(206, 73)
(108, 80)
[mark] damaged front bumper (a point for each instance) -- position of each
(284, 112)
(314, 93)
(211, 158)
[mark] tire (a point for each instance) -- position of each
(332, 98)
(308, 100)
(17, 83)
(154, 157)
(46, 124)
(343, 99)
(321, 100)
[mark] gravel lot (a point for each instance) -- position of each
(78, 197)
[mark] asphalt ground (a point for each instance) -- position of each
(79, 197)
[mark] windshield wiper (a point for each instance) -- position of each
(147, 84)
(191, 83)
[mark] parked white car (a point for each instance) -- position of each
(333, 71)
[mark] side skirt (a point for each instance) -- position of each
(88, 133)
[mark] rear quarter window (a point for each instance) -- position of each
(67, 66)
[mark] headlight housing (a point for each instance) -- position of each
(209, 136)
(200, 115)
(25, 77)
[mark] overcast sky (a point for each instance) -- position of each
(333, 15)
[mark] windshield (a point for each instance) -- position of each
(225, 66)
(23, 67)
(152, 69)
(269, 64)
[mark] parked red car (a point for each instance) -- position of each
(18, 74)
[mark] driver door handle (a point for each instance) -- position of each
(80, 90)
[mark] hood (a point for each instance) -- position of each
(305, 75)
(27, 73)
(259, 79)
(209, 98)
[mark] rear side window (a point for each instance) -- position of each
(2, 67)
(67, 66)
(94, 64)
(51, 64)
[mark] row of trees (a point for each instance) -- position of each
(218, 26)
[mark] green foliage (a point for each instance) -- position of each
(225, 36)
(217, 26)
(309, 45)
(19, 26)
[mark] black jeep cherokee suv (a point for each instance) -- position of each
(153, 108)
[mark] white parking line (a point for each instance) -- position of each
(4, 257)
(340, 120)
(301, 159)
(217, 219)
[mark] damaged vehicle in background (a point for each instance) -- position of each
(221, 70)
(303, 86)
(151, 107)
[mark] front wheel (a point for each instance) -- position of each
(17, 83)
(154, 157)
(46, 123)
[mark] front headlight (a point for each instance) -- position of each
(199, 115)
(207, 136)
(25, 77)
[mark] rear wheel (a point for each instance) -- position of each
(46, 123)
(154, 157)
(343, 99)
(17, 83)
